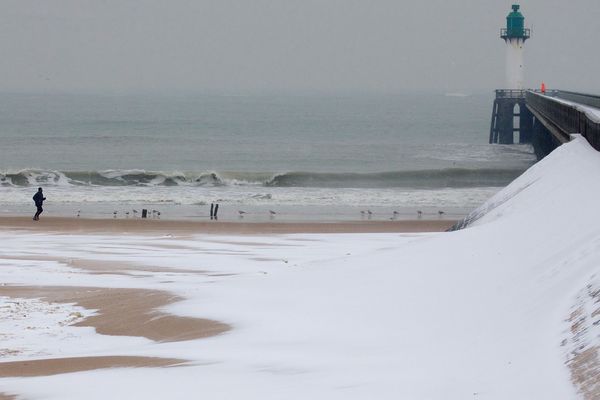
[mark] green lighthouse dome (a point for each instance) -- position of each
(515, 25)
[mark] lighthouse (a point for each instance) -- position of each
(515, 34)
(510, 114)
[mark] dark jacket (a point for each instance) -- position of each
(39, 199)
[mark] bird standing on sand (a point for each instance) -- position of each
(440, 213)
(114, 214)
(78, 213)
(158, 214)
(135, 213)
(126, 214)
(419, 213)
(273, 213)
(241, 213)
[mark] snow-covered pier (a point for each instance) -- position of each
(560, 114)
(545, 120)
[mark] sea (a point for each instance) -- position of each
(260, 157)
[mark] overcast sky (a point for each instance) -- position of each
(242, 46)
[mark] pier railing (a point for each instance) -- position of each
(510, 94)
(522, 93)
(567, 117)
(591, 100)
(522, 33)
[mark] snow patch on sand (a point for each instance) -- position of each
(27, 323)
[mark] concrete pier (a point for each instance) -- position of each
(546, 120)
(510, 115)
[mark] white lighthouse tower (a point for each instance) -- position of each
(510, 103)
(515, 34)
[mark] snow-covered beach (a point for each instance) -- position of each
(504, 309)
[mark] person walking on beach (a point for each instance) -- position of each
(38, 198)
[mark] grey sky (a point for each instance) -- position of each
(289, 45)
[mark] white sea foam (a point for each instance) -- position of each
(178, 201)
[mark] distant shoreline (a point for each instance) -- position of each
(141, 226)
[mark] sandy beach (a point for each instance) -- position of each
(140, 226)
(136, 312)
(136, 307)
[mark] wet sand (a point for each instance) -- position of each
(121, 312)
(55, 366)
(125, 312)
(141, 226)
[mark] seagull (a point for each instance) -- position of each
(158, 214)
(396, 213)
(419, 213)
(272, 212)
(135, 213)
(441, 213)
(114, 214)
(127, 214)
(362, 213)
(241, 213)
(78, 213)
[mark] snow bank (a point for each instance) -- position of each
(484, 312)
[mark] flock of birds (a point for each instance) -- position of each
(364, 213)
(272, 213)
(395, 214)
(156, 214)
(151, 214)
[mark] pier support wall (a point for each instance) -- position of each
(542, 140)
(504, 116)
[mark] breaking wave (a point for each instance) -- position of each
(450, 177)
(436, 178)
